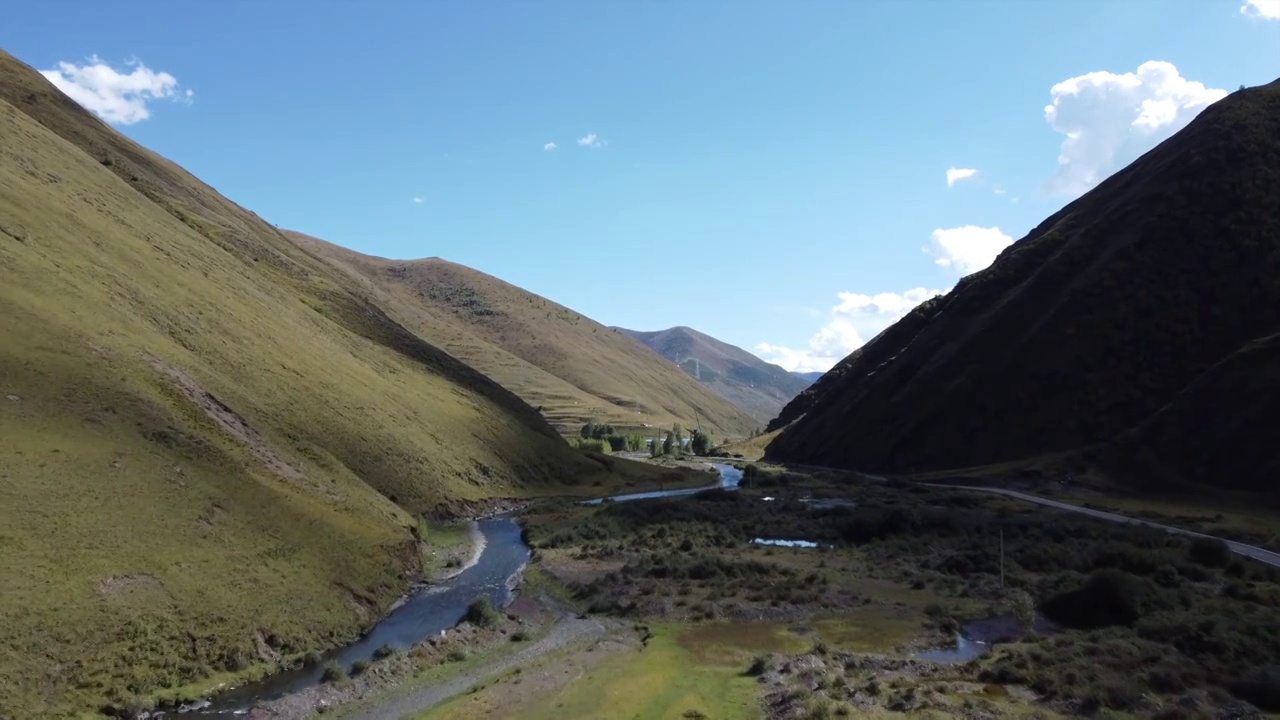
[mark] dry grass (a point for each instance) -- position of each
(571, 366)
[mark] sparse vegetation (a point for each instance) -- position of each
(1137, 594)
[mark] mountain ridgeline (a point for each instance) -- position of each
(1138, 321)
(758, 387)
(572, 367)
(218, 448)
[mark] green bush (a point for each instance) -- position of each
(359, 666)
(1260, 687)
(481, 613)
(591, 445)
(760, 665)
(333, 672)
(1210, 552)
(383, 652)
(1109, 597)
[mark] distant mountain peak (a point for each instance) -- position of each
(756, 386)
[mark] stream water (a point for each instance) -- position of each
(977, 636)
(434, 609)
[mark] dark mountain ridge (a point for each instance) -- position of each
(1091, 324)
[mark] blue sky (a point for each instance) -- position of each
(774, 174)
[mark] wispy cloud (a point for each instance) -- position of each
(417, 200)
(114, 95)
(1261, 9)
(955, 175)
(591, 140)
(1110, 119)
(550, 146)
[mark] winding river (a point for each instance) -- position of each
(434, 609)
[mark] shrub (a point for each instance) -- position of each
(383, 652)
(591, 445)
(359, 666)
(1260, 687)
(481, 612)
(456, 655)
(520, 636)
(617, 443)
(1210, 552)
(1109, 597)
(333, 672)
(760, 665)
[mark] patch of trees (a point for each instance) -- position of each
(602, 437)
(673, 443)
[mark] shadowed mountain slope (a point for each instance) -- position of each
(734, 374)
(1091, 324)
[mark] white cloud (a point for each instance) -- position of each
(856, 317)
(1000, 191)
(955, 175)
(550, 146)
(967, 248)
(1109, 119)
(115, 96)
(591, 140)
(1261, 9)
(417, 200)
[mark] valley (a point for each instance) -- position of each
(249, 472)
(675, 607)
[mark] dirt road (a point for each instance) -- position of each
(1239, 548)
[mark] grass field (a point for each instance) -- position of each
(697, 668)
(216, 446)
(572, 367)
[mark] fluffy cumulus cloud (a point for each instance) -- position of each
(1109, 119)
(968, 248)
(855, 318)
(1262, 9)
(115, 95)
(955, 175)
(590, 140)
(550, 146)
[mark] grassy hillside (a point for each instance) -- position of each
(1096, 320)
(214, 444)
(572, 367)
(734, 374)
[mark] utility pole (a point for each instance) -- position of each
(1002, 558)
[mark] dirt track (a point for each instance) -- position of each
(1239, 548)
